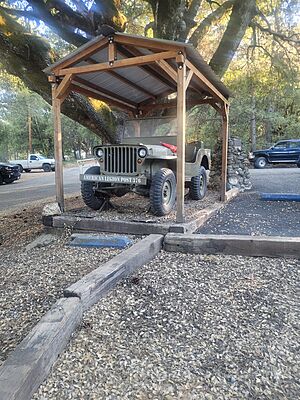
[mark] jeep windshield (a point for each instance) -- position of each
(150, 127)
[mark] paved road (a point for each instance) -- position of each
(276, 180)
(36, 185)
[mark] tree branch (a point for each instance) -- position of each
(26, 55)
(204, 26)
(276, 34)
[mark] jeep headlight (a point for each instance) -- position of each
(142, 153)
(99, 153)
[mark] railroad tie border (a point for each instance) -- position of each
(30, 363)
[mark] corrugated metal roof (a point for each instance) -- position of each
(143, 83)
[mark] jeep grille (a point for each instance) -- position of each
(120, 159)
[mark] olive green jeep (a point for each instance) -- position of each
(145, 165)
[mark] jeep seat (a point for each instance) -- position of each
(190, 153)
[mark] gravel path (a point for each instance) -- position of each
(188, 327)
(248, 215)
(31, 282)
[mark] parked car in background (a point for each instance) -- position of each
(35, 161)
(283, 152)
(9, 173)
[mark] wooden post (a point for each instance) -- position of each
(225, 112)
(181, 108)
(59, 184)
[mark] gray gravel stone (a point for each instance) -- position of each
(188, 327)
(31, 281)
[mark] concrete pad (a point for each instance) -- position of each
(29, 364)
(96, 284)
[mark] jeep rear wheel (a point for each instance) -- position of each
(163, 192)
(89, 195)
(260, 162)
(198, 186)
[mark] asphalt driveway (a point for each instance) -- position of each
(36, 185)
(248, 215)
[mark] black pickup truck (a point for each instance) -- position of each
(283, 152)
(9, 173)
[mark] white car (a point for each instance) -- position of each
(35, 161)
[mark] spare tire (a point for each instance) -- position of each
(88, 191)
(163, 192)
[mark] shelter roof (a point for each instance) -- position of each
(134, 86)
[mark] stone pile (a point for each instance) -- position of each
(238, 175)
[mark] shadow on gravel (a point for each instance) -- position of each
(248, 215)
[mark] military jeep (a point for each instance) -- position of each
(145, 165)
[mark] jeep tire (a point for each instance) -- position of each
(260, 162)
(88, 192)
(163, 192)
(198, 186)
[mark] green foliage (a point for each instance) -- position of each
(16, 105)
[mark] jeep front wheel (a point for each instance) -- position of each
(260, 162)
(88, 191)
(198, 186)
(163, 192)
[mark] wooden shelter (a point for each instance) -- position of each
(135, 74)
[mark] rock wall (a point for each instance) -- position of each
(238, 175)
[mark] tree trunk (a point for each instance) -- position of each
(253, 124)
(268, 126)
(241, 16)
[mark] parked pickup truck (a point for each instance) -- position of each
(35, 161)
(283, 152)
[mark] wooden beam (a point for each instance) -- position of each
(59, 185)
(152, 70)
(105, 92)
(214, 91)
(101, 97)
(127, 62)
(125, 80)
(83, 54)
(147, 43)
(168, 69)
(188, 79)
(112, 53)
(63, 86)
(181, 110)
(225, 109)
(169, 105)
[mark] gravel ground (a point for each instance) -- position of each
(31, 281)
(133, 207)
(188, 327)
(248, 215)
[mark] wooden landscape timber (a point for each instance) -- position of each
(179, 75)
(30, 363)
(92, 287)
(242, 245)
